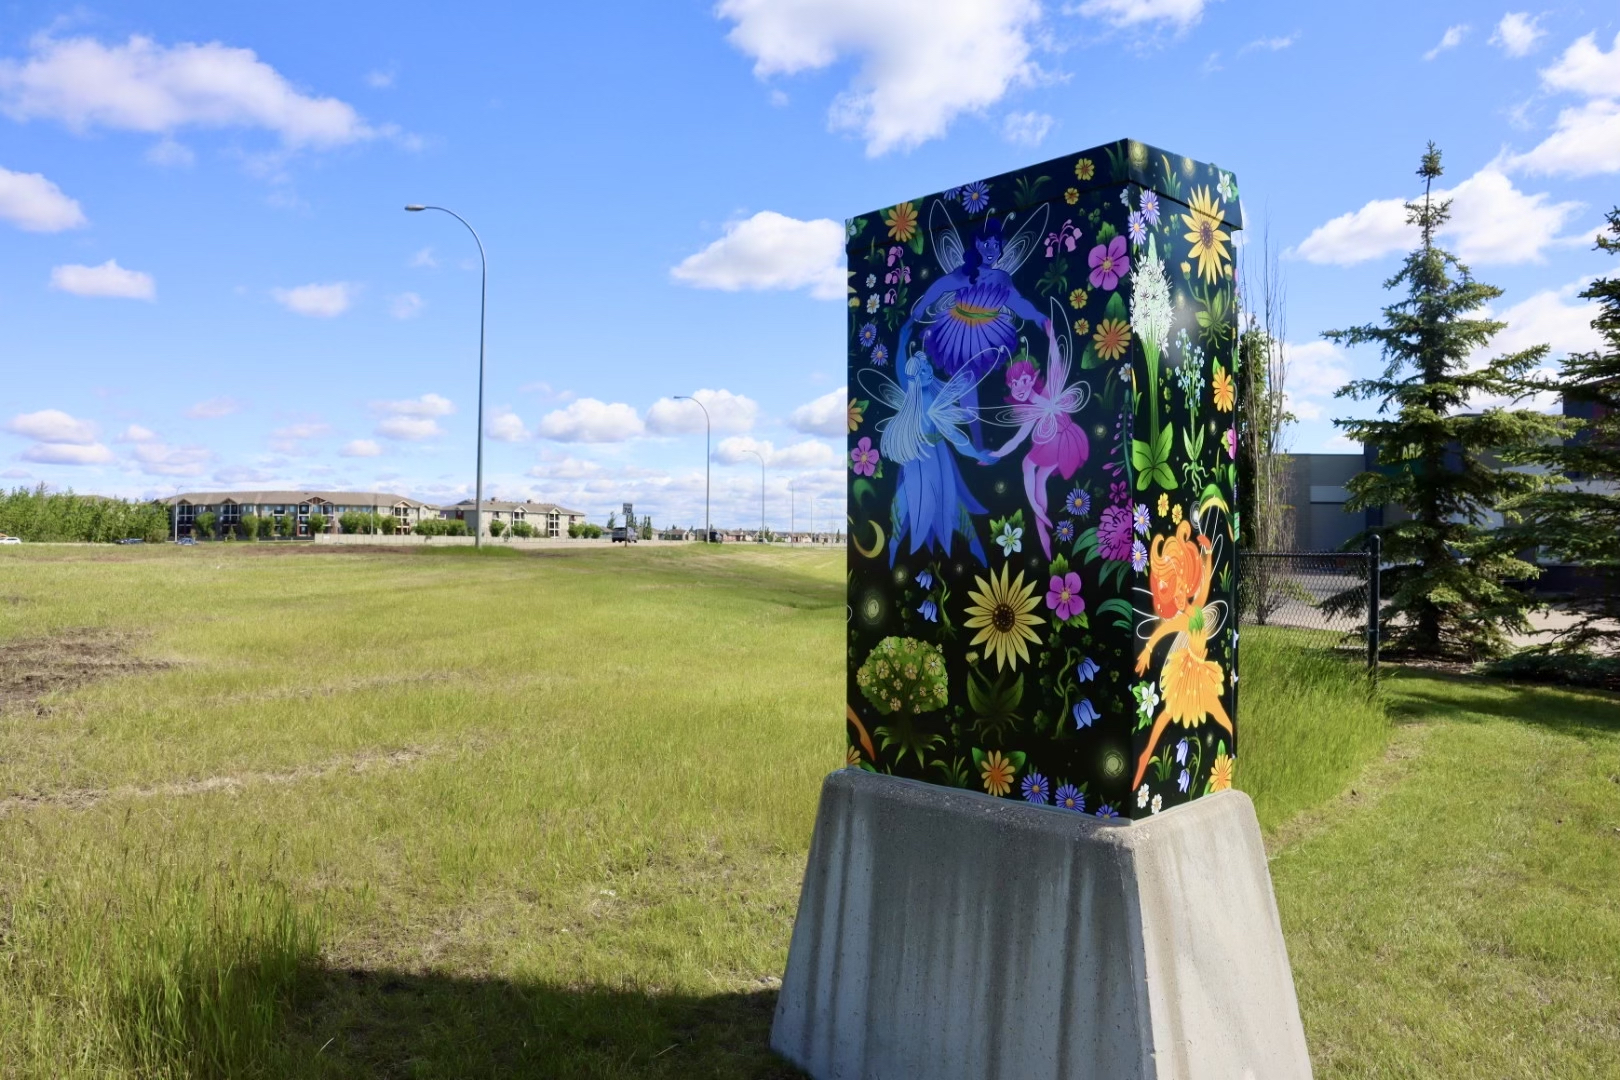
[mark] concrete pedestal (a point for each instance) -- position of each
(943, 934)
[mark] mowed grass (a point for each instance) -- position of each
(431, 815)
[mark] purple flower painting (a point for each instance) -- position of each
(1108, 264)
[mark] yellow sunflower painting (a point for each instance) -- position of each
(1001, 614)
(902, 222)
(1207, 236)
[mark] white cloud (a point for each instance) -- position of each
(1026, 128)
(591, 421)
(426, 405)
(506, 427)
(214, 408)
(1492, 222)
(1517, 33)
(143, 86)
(360, 448)
(1449, 40)
(1315, 370)
(1586, 69)
(808, 454)
(16, 474)
(34, 204)
(423, 258)
(160, 459)
(136, 433)
(412, 419)
(300, 431)
(922, 62)
(406, 306)
(1552, 317)
(47, 453)
(1586, 137)
(108, 279)
(171, 154)
(409, 428)
(567, 468)
(316, 301)
(771, 251)
(53, 426)
(1180, 13)
(728, 412)
(1270, 44)
(1585, 142)
(827, 415)
(1376, 229)
(380, 80)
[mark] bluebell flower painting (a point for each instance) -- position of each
(924, 579)
(929, 610)
(1085, 713)
(1086, 670)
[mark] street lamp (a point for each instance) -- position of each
(706, 434)
(761, 457)
(483, 296)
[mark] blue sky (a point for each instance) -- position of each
(207, 279)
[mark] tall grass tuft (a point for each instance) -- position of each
(168, 971)
(1309, 720)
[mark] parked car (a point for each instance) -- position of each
(622, 535)
(132, 540)
(187, 541)
(10, 539)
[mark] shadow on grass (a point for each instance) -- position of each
(1575, 711)
(359, 1022)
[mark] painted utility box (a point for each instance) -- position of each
(1042, 440)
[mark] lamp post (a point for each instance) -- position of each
(707, 533)
(761, 457)
(483, 296)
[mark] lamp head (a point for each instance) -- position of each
(416, 206)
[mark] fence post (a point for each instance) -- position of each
(1375, 552)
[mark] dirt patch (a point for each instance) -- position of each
(84, 798)
(34, 667)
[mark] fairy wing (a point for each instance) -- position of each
(947, 241)
(1016, 250)
(1063, 397)
(901, 436)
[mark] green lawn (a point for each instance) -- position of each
(437, 814)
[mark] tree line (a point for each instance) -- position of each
(40, 516)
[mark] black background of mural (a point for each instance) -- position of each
(1031, 713)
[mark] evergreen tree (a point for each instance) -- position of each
(1579, 521)
(1448, 592)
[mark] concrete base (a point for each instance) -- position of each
(943, 934)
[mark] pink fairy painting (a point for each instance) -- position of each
(1042, 407)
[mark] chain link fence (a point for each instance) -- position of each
(1326, 598)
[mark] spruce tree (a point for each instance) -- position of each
(1578, 522)
(1448, 592)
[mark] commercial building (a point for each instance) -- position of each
(548, 519)
(230, 507)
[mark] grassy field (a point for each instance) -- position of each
(424, 814)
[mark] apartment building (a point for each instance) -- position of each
(229, 507)
(548, 519)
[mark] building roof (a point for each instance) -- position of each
(259, 498)
(527, 507)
